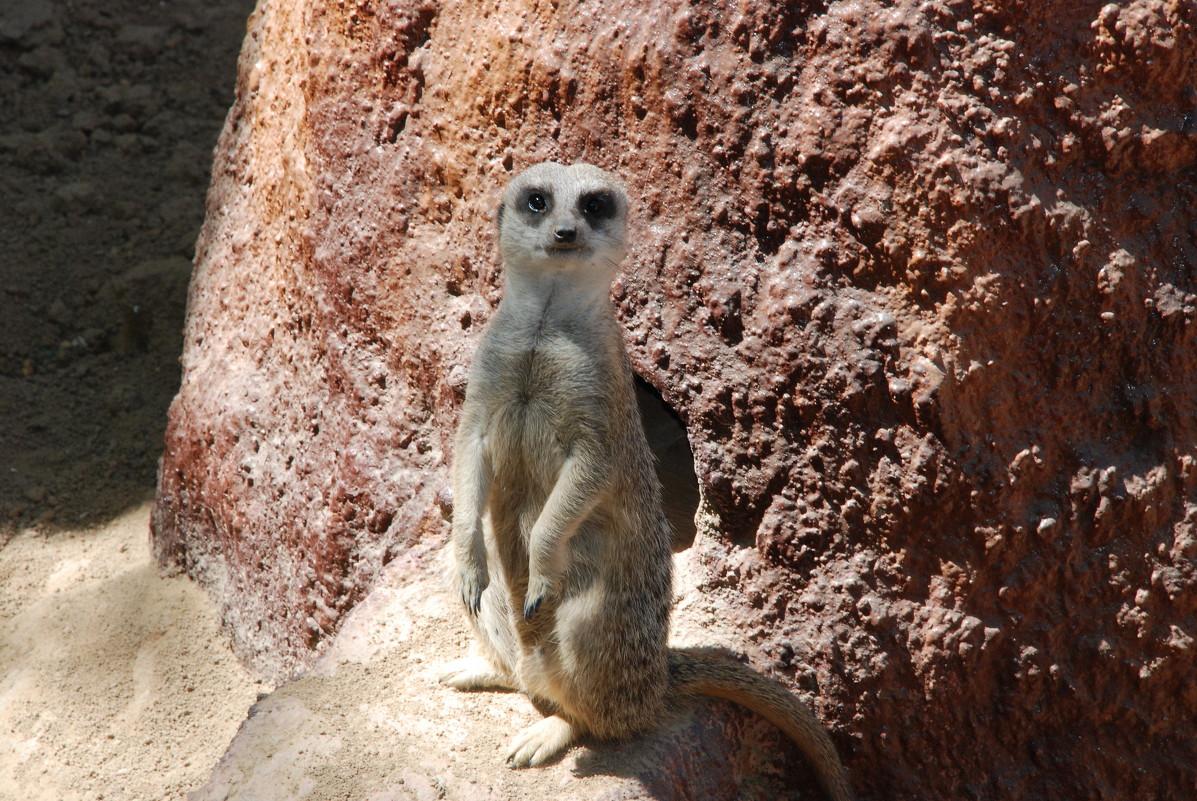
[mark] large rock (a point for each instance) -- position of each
(917, 278)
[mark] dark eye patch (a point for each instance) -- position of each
(597, 206)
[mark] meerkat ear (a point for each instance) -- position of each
(499, 217)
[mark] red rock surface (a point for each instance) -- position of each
(917, 277)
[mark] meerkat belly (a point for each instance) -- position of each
(537, 396)
(526, 458)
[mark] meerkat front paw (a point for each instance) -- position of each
(539, 588)
(471, 581)
(541, 742)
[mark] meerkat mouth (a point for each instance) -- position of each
(572, 249)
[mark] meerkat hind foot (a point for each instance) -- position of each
(541, 742)
(474, 673)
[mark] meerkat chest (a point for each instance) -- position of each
(540, 395)
(553, 379)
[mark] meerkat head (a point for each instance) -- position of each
(564, 219)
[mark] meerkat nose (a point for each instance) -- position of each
(564, 235)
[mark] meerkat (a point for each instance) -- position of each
(561, 548)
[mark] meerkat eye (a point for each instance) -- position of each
(597, 205)
(537, 202)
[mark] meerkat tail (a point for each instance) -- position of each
(697, 674)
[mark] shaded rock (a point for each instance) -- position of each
(77, 210)
(19, 17)
(914, 278)
(42, 62)
(149, 296)
(141, 40)
(76, 197)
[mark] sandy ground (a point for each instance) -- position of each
(119, 685)
(371, 722)
(116, 683)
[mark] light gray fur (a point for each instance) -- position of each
(562, 550)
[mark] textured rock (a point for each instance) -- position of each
(918, 280)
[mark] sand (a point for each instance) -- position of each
(371, 722)
(116, 682)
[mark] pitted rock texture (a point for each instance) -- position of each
(917, 277)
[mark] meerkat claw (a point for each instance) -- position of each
(539, 588)
(472, 598)
(472, 585)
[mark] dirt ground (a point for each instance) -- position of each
(115, 683)
(110, 112)
(371, 721)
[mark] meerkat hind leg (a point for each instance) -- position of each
(541, 742)
(475, 673)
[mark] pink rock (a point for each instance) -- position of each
(917, 279)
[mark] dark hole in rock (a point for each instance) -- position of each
(675, 462)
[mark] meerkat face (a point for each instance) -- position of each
(559, 219)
